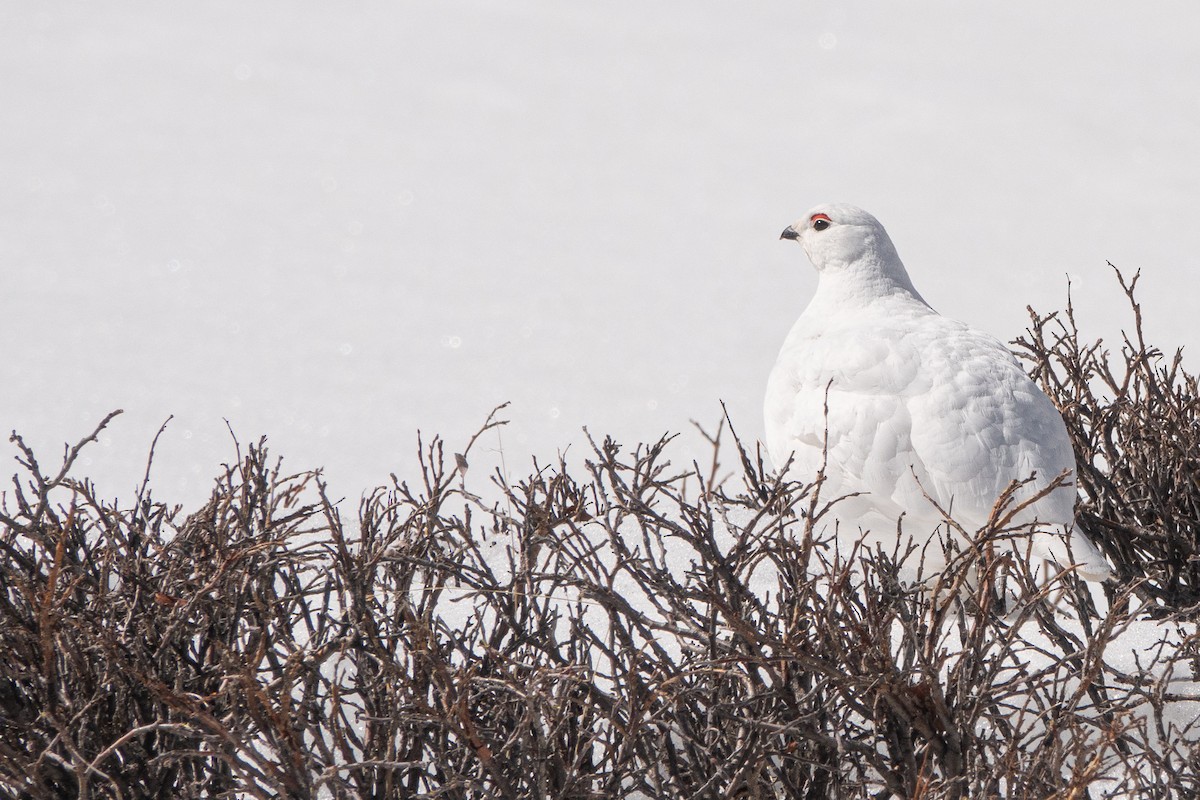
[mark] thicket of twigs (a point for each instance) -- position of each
(638, 630)
(1134, 417)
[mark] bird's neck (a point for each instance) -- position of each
(865, 281)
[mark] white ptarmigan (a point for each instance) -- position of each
(896, 401)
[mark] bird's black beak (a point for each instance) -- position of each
(789, 233)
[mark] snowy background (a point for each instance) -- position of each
(334, 224)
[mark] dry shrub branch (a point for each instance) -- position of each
(634, 630)
(1134, 418)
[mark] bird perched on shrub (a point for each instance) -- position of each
(905, 410)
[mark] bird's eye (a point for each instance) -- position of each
(820, 222)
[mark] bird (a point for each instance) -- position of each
(908, 415)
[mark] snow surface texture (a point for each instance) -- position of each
(335, 224)
(908, 414)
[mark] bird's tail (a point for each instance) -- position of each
(1068, 548)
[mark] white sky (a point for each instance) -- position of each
(334, 224)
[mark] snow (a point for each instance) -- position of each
(334, 225)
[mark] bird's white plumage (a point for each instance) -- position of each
(897, 402)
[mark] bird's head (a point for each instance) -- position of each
(836, 235)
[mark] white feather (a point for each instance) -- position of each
(897, 401)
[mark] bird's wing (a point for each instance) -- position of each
(979, 423)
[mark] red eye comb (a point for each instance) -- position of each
(816, 217)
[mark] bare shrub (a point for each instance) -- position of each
(635, 630)
(1134, 419)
